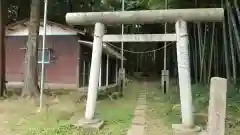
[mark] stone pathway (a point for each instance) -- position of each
(139, 121)
(149, 124)
(154, 123)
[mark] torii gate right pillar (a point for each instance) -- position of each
(187, 127)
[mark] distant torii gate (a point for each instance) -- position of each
(180, 16)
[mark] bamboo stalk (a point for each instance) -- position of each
(225, 47)
(211, 52)
(198, 44)
(200, 49)
(203, 53)
(232, 49)
(237, 10)
(216, 55)
(195, 62)
(234, 24)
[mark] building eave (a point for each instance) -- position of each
(23, 24)
(107, 49)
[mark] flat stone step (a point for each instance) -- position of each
(141, 107)
(137, 130)
(139, 120)
(139, 113)
(142, 102)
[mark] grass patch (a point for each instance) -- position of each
(20, 116)
(163, 106)
(167, 107)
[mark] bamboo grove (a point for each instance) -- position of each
(214, 47)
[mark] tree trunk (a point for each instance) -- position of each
(30, 88)
(2, 49)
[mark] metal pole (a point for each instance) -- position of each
(165, 43)
(43, 53)
(164, 73)
(122, 43)
(122, 46)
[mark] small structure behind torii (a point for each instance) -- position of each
(180, 16)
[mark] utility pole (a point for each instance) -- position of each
(43, 54)
(165, 72)
(122, 46)
(165, 43)
(2, 49)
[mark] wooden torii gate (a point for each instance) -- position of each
(179, 16)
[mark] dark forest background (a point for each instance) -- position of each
(214, 47)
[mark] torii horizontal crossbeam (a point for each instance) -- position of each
(140, 38)
(147, 16)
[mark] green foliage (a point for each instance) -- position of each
(167, 107)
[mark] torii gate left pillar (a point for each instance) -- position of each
(180, 16)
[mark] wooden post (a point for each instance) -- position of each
(78, 71)
(116, 74)
(184, 74)
(165, 72)
(2, 49)
(84, 72)
(94, 71)
(217, 106)
(107, 68)
(165, 81)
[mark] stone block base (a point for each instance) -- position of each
(179, 129)
(165, 78)
(94, 124)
